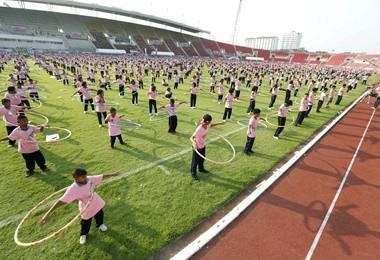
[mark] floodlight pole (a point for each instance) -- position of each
(236, 26)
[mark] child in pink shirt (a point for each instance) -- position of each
(251, 131)
(86, 93)
(114, 129)
(100, 107)
(198, 140)
(27, 146)
(228, 104)
(252, 102)
(220, 91)
(9, 113)
(152, 94)
(81, 190)
(302, 110)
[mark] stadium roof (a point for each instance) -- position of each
(121, 12)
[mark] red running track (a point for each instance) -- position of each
(284, 221)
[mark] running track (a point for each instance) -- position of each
(284, 222)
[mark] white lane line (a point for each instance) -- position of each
(326, 219)
(164, 169)
(128, 173)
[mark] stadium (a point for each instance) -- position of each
(154, 208)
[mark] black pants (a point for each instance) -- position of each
(295, 92)
(25, 103)
(320, 103)
(89, 102)
(113, 139)
(272, 100)
(197, 161)
(249, 144)
(135, 97)
(288, 94)
(237, 94)
(121, 90)
(227, 113)
(31, 158)
(152, 103)
(337, 102)
(99, 114)
(141, 84)
(251, 106)
(65, 82)
(193, 100)
(281, 125)
(175, 85)
(9, 131)
(300, 118)
(212, 88)
(172, 124)
(86, 223)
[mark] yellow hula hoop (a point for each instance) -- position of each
(218, 162)
(55, 234)
(269, 123)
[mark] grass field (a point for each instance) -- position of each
(156, 200)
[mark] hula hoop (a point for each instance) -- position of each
(39, 104)
(217, 162)
(125, 124)
(57, 140)
(287, 124)
(155, 118)
(40, 115)
(60, 231)
(110, 104)
(244, 122)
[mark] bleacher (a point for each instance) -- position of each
(245, 51)
(229, 49)
(184, 44)
(263, 54)
(339, 59)
(212, 47)
(280, 56)
(299, 58)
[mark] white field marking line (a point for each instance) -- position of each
(164, 169)
(128, 173)
(328, 214)
(213, 231)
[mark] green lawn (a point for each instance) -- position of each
(156, 201)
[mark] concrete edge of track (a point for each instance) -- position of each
(214, 230)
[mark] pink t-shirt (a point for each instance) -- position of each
(311, 98)
(252, 125)
(100, 107)
(253, 95)
(283, 111)
(26, 142)
(152, 95)
(85, 92)
(238, 85)
(134, 87)
(193, 90)
(82, 193)
(341, 92)
(200, 136)
(303, 105)
(172, 110)
(113, 125)
(10, 115)
(229, 100)
(14, 98)
(220, 89)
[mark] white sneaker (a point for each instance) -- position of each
(275, 137)
(103, 227)
(82, 239)
(224, 121)
(9, 146)
(84, 112)
(100, 125)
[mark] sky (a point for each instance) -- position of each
(326, 25)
